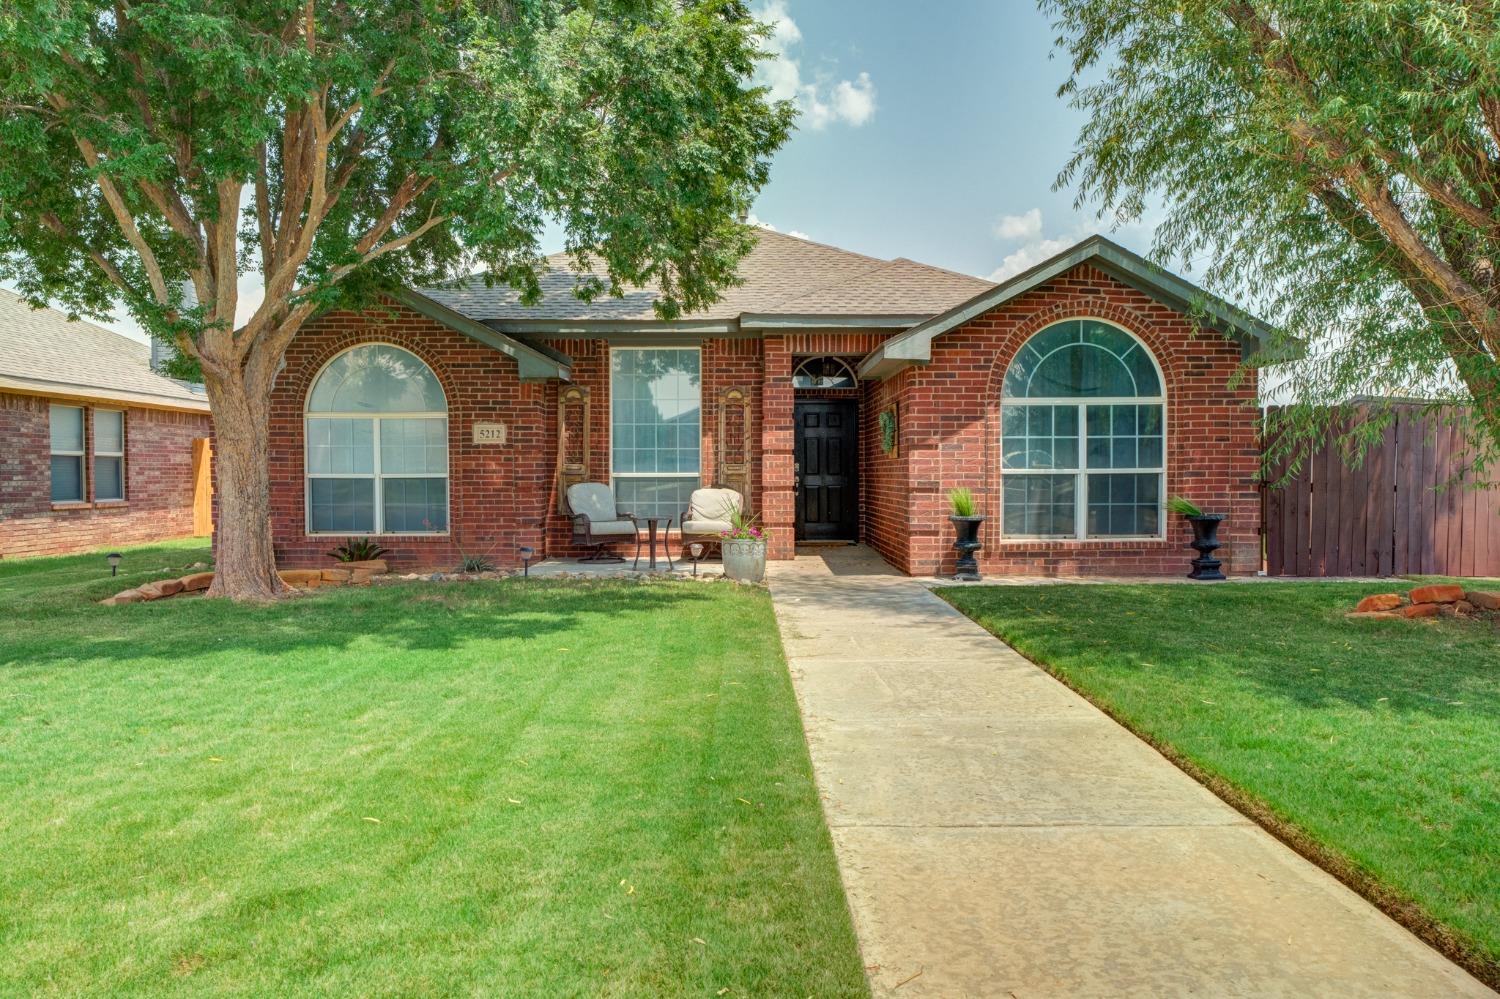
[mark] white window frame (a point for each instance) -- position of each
(1082, 472)
(93, 477)
(375, 473)
(613, 475)
(82, 456)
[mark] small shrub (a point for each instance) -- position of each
(962, 502)
(358, 550)
(476, 563)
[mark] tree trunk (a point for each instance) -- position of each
(244, 562)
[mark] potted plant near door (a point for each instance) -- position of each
(1205, 538)
(743, 547)
(966, 522)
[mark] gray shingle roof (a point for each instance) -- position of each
(783, 276)
(42, 350)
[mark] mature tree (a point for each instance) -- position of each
(1336, 162)
(149, 147)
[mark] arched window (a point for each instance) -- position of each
(377, 445)
(823, 373)
(1082, 448)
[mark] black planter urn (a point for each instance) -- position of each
(967, 569)
(1206, 542)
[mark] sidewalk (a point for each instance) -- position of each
(998, 835)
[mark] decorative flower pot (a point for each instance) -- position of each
(744, 560)
(1206, 542)
(967, 544)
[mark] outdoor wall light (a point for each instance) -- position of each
(527, 554)
(695, 552)
(113, 558)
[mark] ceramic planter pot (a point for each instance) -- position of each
(967, 544)
(1205, 542)
(744, 560)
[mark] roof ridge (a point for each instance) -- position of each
(826, 246)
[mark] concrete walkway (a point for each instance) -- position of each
(1000, 836)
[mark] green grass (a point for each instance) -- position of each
(1378, 740)
(516, 788)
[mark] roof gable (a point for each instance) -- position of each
(915, 345)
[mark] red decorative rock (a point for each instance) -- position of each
(1439, 593)
(1421, 610)
(197, 581)
(301, 577)
(161, 588)
(376, 566)
(123, 597)
(1483, 600)
(1378, 602)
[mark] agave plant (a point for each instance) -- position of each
(358, 550)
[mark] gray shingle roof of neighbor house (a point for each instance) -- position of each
(914, 346)
(787, 282)
(43, 352)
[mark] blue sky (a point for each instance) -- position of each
(931, 137)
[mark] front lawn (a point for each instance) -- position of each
(513, 788)
(1378, 742)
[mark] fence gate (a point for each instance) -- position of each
(1389, 516)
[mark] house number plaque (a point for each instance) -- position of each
(489, 433)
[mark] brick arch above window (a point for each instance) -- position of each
(1168, 359)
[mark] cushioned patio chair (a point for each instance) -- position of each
(708, 513)
(597, 523)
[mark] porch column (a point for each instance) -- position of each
(778, 495)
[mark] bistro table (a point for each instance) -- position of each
(652, 523)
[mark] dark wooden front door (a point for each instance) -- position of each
(828, 471)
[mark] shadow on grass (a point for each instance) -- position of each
(66, 625)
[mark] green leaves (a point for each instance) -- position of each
(1334, 163)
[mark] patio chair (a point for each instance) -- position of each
(708, 513)
(596, 522)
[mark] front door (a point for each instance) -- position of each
(828, 471)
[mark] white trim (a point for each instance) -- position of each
(48, 389)
(376, 475)
(82, 455)
(124, 478)
(1082, 472)
(611, 474)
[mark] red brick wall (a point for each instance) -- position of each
(951, 433)
(948, 415)
(158, 488)
(498, 495)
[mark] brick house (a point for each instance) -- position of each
(96, 449)
(843, 395)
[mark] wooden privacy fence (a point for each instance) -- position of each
(1391, 515)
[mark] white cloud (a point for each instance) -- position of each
(754, 220)
(849, 102)
(1031, 254)
(1026, 229)
(1025, 226)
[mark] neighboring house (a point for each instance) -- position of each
(96, 449)
(1072, 399)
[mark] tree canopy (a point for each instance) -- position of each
(1334, 162)
(153, 151)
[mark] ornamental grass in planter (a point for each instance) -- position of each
(1205, 538)
(966, 520)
